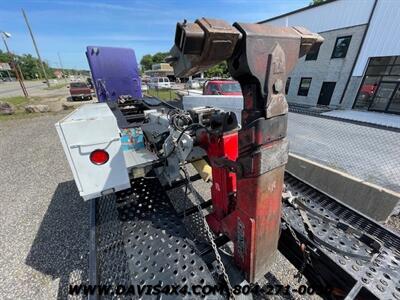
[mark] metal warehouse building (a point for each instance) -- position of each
(358, 65)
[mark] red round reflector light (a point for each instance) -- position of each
(99, 157)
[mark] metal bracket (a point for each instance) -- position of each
(231, 165)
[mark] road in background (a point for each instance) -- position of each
(12, 88)
(35, 88)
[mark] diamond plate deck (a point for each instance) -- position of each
(380, 272)
(112, 261)
(142, 241)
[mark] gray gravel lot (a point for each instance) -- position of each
(44, 232)
(44, 221)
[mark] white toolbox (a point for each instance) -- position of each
(92, 127)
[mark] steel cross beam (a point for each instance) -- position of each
(247, 204)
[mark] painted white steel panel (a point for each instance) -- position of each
(330, 16)
(91, 127)
(226, 103)
(383, 36)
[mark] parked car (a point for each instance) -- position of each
(222, 87)
(145, 79)
(80, 91)
(201, 81)
(159, 83)
(192, 84)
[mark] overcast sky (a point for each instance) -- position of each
(148, 26)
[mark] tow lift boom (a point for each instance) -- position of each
(248, 164)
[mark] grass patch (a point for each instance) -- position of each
(56, 86)
(15, 101)
(18, 103)
(163, 94)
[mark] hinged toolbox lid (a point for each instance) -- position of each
(92, 127)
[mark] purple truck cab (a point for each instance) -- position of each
(115, 72)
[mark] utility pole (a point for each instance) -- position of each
(61, 65)
(20, 72)
(36, 48)
(14, 65)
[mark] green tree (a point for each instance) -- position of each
(159, 57)
(4, 57)
(146, 62)
(220, 70)
(30, 66)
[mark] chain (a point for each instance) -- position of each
(294, 235)
(305, 253)
(209, 234)
(288, 196)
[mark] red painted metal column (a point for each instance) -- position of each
(260, 57)
(259, 187)
(224, 182)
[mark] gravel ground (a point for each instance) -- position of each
(44, 232)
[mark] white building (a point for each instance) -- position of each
(358, 65)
